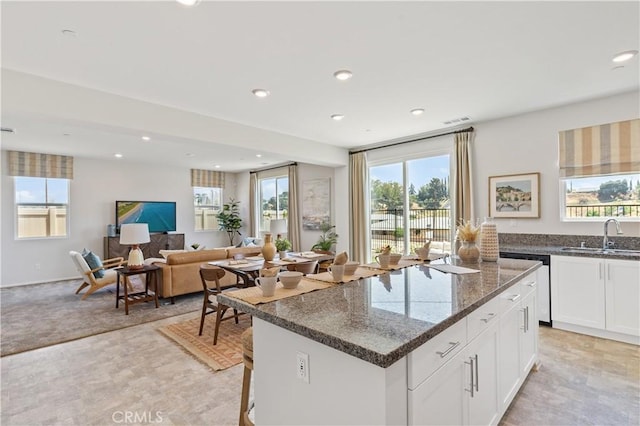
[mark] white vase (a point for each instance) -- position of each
(489, 250)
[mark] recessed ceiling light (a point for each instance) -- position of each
(146, 138)
(625, 56)
(217, 166)
(417, 111)
(260, 93)
(188, 3)
(189, 154)
(118, 155)
(343, 75)
(259, 155)
(69, 33)
(337, 117)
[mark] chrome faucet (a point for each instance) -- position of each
(605, 241)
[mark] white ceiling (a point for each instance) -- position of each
(197, 66)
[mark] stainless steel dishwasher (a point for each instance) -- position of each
(543, 277)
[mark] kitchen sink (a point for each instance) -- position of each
(599, 250)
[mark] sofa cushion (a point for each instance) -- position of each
(93, 260)
(196, 256)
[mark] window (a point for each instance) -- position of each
(274, 200)
(42, 206)
(596, 197)
(410, 204)
(207, 203)
(600, 172)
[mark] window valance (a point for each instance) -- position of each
(207, 178)
(607, 149)
(32, 164)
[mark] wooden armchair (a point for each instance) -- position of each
(88, 277)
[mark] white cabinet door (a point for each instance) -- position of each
(509, 355)
(482, 354)
(529, 334)
(623, 296)
(440, 400)
(578, 291)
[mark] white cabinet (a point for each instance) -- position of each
(482, 358)
(577, 291)
(454, 384)
(464, 390)
(622, 294)
(529, 334)
(597, 296)
(441, 399)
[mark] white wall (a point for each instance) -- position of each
(95, 188)
(529, 143)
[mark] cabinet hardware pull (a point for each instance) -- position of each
(531, 284)
(514, 298)
(449, 349)
(489, 317)
(608, 271)
(600, 270)
(526, 319)
(477, 367)
(471, 371)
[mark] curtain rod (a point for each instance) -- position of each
(274, 167)
(468, 129)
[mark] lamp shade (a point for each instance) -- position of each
(134, 234)
(278, 226)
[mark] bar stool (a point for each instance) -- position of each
(247, 358)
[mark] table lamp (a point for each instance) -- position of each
(278, 227)
(134, 234)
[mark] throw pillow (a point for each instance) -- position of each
(93, 260)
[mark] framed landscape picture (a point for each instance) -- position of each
(316, 203)
(515, 196)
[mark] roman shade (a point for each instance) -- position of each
(207, 178)
(32, 164)
(607, 149)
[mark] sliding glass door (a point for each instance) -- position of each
(410, 204)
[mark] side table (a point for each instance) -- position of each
(151, 272)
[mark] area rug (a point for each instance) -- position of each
(226, 353)
(39, 315)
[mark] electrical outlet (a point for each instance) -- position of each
(302, 366)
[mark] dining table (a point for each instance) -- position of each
(248, 268)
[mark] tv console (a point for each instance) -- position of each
(113, 248)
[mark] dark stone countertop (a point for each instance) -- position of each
(382, 319)
(558, 251)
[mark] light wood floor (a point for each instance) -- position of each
(137, 372)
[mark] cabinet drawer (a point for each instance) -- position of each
(425, 360)
(528, 284)
(482, 317)
(511, 298)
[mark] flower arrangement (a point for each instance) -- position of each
(282, 244)
(467, 231)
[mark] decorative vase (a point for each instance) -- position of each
(489, 251)
(469, 252)
(268, 249)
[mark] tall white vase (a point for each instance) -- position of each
(489, 250)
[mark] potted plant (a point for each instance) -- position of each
(327, 240)
(282, 245)
(229, 219)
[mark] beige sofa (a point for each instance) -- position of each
(180, 271)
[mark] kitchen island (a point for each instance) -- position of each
(375, 346)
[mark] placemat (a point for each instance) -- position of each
(402, 264)
(254, 295)
(361, 272)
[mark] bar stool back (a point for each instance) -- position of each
(247, 358)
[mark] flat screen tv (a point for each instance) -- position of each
(160, 215)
